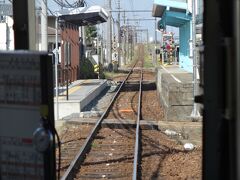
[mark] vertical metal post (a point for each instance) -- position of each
(102, 53)
(132, 45)
(155, 44)
(56, 67)
(31, 27)
(163, 53)
(109, 48)
(24, 24)
(124, 47)
(68, 60)
(83, 31)
(175, 56)
(44, 41)
(119, 32)
(237, 47)
(98, 56)
(195, 112)
(127, 42)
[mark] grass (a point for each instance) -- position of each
(148, 63)
(94, 145)
(110, 75)
(148, 57)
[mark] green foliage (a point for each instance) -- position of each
(111, 75)
(148, 56)
(91, 33)
(87, 70)
(94, 145)
(148, 63)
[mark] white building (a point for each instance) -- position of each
(7, 34)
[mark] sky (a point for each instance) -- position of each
(124, 5)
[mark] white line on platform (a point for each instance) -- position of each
(174, 77)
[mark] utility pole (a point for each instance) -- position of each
(119, 32)
(109, 29)
(24, 24)
(44, 42)
(155, 55)
(134, 40)
(127, 42)
(56, 53)
(124, 43)
(195, 112)
(83, 35)
(132, 45)
(102, 49)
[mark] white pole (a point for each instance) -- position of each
(109, 31)
(195, 112)
(31, 29)
(155, 55)
(56, 68)
(44, 43)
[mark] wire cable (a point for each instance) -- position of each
(54, 131)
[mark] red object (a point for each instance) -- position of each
(27, 140)
(168, 47)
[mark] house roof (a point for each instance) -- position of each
(84, 15)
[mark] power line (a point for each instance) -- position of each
(78, 3)
(133, 11)
(138, 19)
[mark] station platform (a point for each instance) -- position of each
(80, 94)
(175, 87)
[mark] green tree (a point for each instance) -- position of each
(91, 34)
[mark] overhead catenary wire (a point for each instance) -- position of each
(132, 11)
(146, 19)
(70, 5)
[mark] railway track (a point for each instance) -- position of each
(119, 145)
(111, 152)
(73, 138)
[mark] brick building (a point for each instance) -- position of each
(68, 46)
(69, 64)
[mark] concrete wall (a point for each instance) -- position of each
(176, 96)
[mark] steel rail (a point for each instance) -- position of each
(81, 154)
(136, 153)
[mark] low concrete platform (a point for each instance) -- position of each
(175, 87)
(81, 93)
